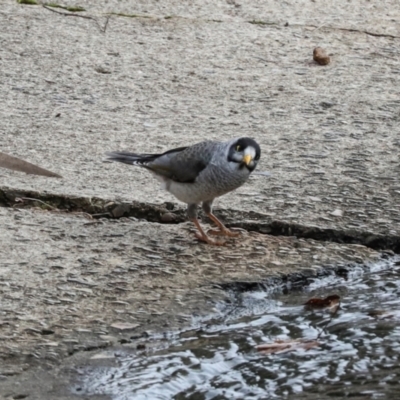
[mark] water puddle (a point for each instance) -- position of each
(357, 353)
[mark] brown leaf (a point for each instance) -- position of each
(283, 346)
(16, 164)
(320, 56)
(331, 302)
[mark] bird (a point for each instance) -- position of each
(199, 174)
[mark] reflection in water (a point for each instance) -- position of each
(358, 356)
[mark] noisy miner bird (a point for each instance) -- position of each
(200, 173)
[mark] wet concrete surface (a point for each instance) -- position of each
(71, 284)
(67, 278)
(350, 350)
(171, 75)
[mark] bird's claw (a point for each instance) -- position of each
(223, 232)
(208, 240)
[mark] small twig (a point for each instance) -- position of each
(102, 28)
(375, 53)
(319, 27)
(323, 26)
(67, 14)
(369, 33)
(106, 23)
(106, 214)
(264, 59)
(40, 201)
(83, 214)
(328, 322)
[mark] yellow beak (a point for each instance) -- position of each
(247, 159)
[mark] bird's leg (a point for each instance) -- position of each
(201, 235)
(222, 229)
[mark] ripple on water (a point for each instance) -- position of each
(358, 355)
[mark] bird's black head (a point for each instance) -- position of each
(246, 152)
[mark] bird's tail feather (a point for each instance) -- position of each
(130, 158)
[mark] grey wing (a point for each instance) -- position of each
(186, 164)
(183, 164)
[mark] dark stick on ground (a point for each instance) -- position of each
(16, 164)
(69, 14)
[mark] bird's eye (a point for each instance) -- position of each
(257, 158)
(238, 148)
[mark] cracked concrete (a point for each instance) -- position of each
(175, 74)
(328, 134)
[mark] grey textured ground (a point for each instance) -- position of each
(329, 134)
(177, 73)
